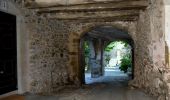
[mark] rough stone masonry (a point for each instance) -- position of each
(54, 34)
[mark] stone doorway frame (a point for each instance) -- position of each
(22, 46)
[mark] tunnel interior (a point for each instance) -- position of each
(93, 55)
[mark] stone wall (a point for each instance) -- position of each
(151, 72)
(54, 49)
(49, 55)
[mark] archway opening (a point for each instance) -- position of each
(107, 55)
(117, 60)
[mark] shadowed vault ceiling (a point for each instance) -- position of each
(109, 33)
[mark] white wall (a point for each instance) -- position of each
(167, 26)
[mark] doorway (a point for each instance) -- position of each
(8, 53)
(98, 64)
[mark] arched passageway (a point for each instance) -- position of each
(97, 39)
(48, 39)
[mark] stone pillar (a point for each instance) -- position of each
(102, 56)
(92, 59)
(92, 50)
(99, 55)
(96, 57)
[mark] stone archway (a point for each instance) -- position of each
(77, 31)
(75, 70)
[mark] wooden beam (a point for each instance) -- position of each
(105, 3)
(100, 16)
(123, 10)
(89, 10)
(93, 15)
(51, 3)
(106, 19)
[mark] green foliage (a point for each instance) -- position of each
(86, 54)
(86, 49)
(125, 43)
(110, 47)
(107, 58)
(114, 44)
(126, 62)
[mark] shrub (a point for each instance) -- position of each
(126, 62)
(107, 58)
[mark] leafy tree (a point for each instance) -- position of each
(110, 47)
(86, 54)
(126, 62)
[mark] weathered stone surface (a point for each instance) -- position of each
(54, 49)
(150, 68)
(51, 44)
